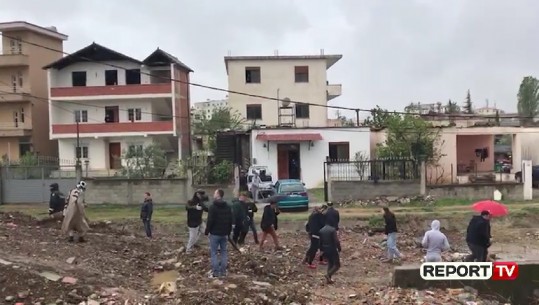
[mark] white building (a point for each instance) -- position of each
(298, 78)
(118, 107)
(300, 153)
(209, 106)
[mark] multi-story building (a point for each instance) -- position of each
(207, 107)
(24, 122)
(295, 78)
(122, 104)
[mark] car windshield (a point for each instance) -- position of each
(292, 188)
(265, 178)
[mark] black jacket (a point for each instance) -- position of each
(57, 202)
(239, 209)
(220, 219)
(146, 210)
(333, 218)
(478, 232)
(329, 241)
(315, 223)
(391, 224)
(251, 209)
(194, 215)
(269, 218)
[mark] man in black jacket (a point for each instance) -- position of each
(57, 202)
(219, 226)
(314, 224)
(331, 246)
(269, 224)
(251, 210)
(332, 216)
(146, 212)
(478, 237)
(195, 208)
(239, 209)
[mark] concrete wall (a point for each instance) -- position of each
(510, 191)
(131, 191)
(365, 190)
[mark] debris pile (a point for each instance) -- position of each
(388, 200)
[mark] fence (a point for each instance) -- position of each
(391, 169)
(439, 174)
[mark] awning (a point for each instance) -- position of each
(299, 137)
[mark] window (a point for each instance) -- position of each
(301, 74)
(78, 78)
(19, 76)
(135, 149)
(134, 114)
(16, 45)
(111, 77)
(302, 111)
(254, 112)
(16, 119)
(132, 77)
(339, 151)
(81, 152)
(14, 83)
(252, 75)
(22, 115)
(81, 116)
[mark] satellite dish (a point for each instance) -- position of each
(285, 102)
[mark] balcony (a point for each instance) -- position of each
(13, 60)
(10, 129)
(124, 127)
(8, 95)
(111, 90)
(333, 91)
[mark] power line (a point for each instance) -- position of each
(463, 116)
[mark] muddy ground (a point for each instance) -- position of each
(117, 264)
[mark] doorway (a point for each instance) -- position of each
(112, 114)
(115, 155)
(288, 161)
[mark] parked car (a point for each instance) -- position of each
(265, 189)
(291, 194)
(535, 176)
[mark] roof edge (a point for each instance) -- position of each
(14, 25)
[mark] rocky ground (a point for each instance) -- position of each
(119, 266)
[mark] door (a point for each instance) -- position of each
(115, 154)
(282, 161)
(112, 114)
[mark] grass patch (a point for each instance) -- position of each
(316, 194)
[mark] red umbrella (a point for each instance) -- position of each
(495, 208)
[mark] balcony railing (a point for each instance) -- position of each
(12, 129)
(112, 90)
(333, 91)
(13, 60)
(126, 127)
(13, 94)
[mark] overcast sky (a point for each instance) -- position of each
(394, 51)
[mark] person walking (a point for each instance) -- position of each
(330, 246)
(391, 232)
(333, 217)
(146, 211)
(255, 185)
(195, 209)
(250, 225)
(314, 224)
(57, 202)
(219, 226)
(239, 209)
(269, 224)
(75, 219)
(478, 237)
(435, 242)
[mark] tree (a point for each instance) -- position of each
(452, 108)
(148, 162)
(221, 119)
(528, 100)
(379, 118)
(468, 107)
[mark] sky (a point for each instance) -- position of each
(394, 52)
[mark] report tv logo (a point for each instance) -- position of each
(498, 271)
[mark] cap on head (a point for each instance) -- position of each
(485, 213)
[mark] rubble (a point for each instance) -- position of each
(388, 200)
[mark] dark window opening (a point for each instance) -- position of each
(111, 114)
(81, 152)
(22, 115)
(302, 111)
(134, 114)
(132, 77)
(78, 78)
(301, 74)
(254, 112)
(252, 75)
(81, 116)
(339, 151)
(25, 148)
(111, 77)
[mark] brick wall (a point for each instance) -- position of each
(510, 191)
(364, 190)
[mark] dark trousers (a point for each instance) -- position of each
(249, 226)
(479, 253)
(237, 233)
(147, 227)
(313, 248)
(334, 261)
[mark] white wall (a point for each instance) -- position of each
(280, 74)
(95, 73)
(98, 149)
(311, 158)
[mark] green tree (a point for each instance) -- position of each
(452, 108)
(379, 118)
(221, 119)
(468, 107)
(148, 162)
(528, 100)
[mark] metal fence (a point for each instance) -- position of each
(392, 169)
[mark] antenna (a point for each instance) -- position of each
(229, 53)
(276, 52)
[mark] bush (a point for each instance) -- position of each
(222, 172)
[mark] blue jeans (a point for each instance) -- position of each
(218, 264)
(392, 251)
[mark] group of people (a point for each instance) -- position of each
(70, 210)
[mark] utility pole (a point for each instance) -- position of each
(78, 165)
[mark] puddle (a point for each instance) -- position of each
(164, 277)
(515, 252)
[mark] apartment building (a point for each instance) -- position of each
(284, 78)
(207, 107)
(24, 123)
(121, 104)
